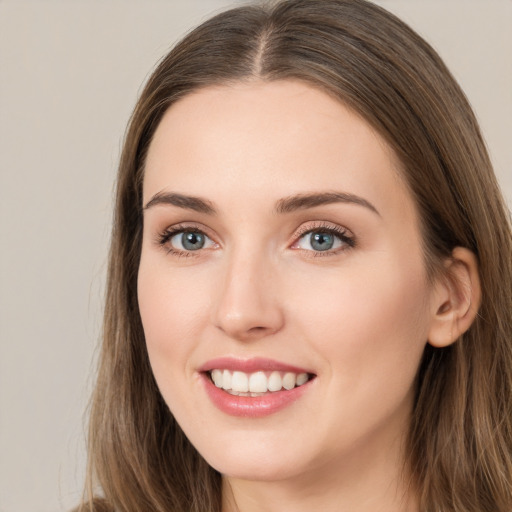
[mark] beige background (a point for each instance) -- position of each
(70, 72)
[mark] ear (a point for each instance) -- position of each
(456, 298)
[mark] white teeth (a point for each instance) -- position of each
(289, 381)
(275, 382)
(217, 378)
(240, 382)
(302, 378)
(258, 383)
(226, 379)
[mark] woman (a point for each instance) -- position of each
(308, 300)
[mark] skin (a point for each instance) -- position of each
(357, 317)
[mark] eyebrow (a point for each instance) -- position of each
(285, 205)
(187, 202)
(304, 201)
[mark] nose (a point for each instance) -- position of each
(247, 304)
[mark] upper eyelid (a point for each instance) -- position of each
(308, 227)
(188, 226)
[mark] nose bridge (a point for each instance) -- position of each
(247, 305)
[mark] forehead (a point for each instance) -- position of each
(268, 139)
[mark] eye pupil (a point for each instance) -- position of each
(322, 241)
(192, 241)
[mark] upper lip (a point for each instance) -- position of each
(250, 365)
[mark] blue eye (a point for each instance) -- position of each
(323, 240)
(189, 241)
(185, 240)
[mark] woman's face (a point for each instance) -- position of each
(281, 251)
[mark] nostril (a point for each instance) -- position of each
(259, 331)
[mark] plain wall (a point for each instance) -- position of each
(70, 72)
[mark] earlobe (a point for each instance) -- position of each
(456, 298)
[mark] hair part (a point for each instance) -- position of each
(460, 440)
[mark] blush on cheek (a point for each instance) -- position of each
(375, 315)
(172, 313)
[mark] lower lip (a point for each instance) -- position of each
(253, 407)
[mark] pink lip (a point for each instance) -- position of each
(249, 365)
(251, 407)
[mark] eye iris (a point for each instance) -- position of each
(192, 241)
(322, 241)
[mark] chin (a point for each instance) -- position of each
(253, 471)
(250, 460)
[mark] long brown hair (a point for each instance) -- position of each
(460, 439)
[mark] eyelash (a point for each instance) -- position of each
(164, 238)
(347, 239)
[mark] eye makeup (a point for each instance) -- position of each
(314, 239)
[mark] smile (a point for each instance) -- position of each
(258, 383)
(256, 387)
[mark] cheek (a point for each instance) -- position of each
(371, 322)
(370, 332)
(172, 312)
